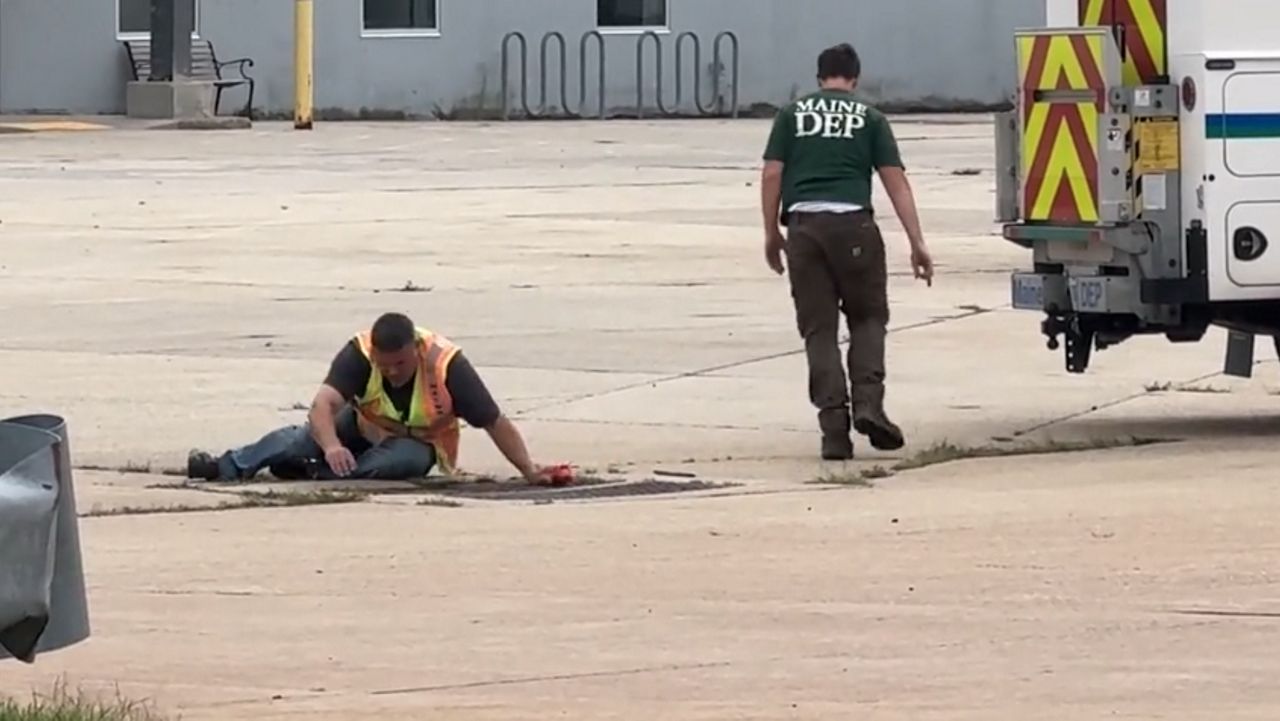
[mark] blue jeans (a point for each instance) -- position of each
(291, 453)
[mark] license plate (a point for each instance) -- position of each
(1088, 295)
(1028, 292)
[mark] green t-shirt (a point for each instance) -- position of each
(829, 143)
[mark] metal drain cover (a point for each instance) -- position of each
(584, 490)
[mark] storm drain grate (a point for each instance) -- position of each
(589, 490)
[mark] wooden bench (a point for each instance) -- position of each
(204, 66)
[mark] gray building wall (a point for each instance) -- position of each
(63, 55)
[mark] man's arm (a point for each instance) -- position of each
(904, 204)
(348, 374)
(473, 402)
(888, 163)
(775, 158)
(898, 187)
(771, 194)
(507, 438)
(324, 411)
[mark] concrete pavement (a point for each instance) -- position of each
(170, 290)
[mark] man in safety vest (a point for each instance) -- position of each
(389, 408)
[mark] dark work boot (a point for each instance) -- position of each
(870, 420)
(836, 444)
(202, 466)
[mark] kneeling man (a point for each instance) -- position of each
(389, 409)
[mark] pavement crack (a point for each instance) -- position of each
(1227, 614)
(237, 594)
(971, 313)
(554, 677)
(667, 424)
(1112, 404)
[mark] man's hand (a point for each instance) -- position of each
(561, 475)
(922, 263)
(774, 244)
(340, 461)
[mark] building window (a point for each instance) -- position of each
(613, 14)
(133, 17)
(400, 17)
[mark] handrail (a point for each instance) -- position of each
(543, 75)
(716, 104)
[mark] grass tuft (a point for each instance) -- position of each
(946, 452)
(1203, 389)
(1167, 386)
(62, 705)
(248, 499)
(439, 503)
(876, 472)
(134, 467)
(852, 479)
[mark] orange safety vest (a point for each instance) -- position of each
(431, 418)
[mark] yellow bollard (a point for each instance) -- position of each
(302, 63)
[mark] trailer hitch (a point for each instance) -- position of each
(1079, 337)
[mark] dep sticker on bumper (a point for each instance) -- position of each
(1088, 295)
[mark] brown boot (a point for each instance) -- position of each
(870, 420)
(836, 444)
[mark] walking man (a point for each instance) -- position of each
(817, 182)
(389, 408)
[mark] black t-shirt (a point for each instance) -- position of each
(472, 402)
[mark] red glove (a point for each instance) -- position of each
(560, 475)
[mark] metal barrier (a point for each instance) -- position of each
(542, 71)
(42, 594)
(716, 106)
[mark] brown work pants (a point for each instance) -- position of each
(836, 264)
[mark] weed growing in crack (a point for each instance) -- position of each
(946, 452)
(876, 472)
(248, 499)
(1167, 386)
(439, 503)
(62, 705)
(134, 467)
(1203, 389)
(851, 479)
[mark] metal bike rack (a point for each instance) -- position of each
(716, 106)
(542, 71)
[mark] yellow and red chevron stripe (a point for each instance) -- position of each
(1060, 138)
(1145, 41)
